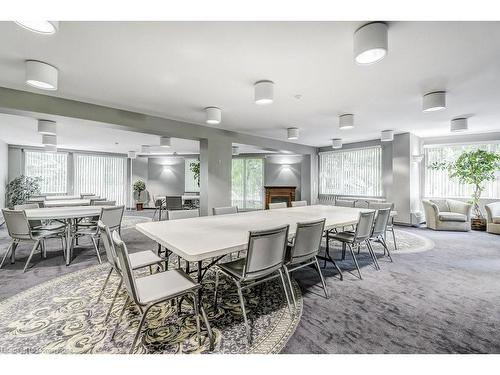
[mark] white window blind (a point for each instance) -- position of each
(190, 184)
(351, 172)
(437, 182)
(101, 175)
(51, 167)
(247, 183)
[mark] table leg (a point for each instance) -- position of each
(68, 242)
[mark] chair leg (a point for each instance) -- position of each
(343, 250)
(394, 239)
(13, 252)
(289, 278)
(207, 325)
(372, 253)
(9, 249)
(43, 249)
(139, 329)
(355, 261)
(35, 246)
(113, 301)
(244, 312)
(322, 278)
(216, 287)
(120, 316)
(96, 249)
(286, 292)
(105, 283)
(386, 248)
(197, 316)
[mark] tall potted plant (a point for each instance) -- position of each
(473, 168)
(139, 188)
(21, 188)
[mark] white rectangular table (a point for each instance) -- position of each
(67, 203)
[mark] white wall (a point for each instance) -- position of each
(4, 171)
(284, 170)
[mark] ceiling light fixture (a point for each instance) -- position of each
(336, 143)
(41, 75)
(370, 43)
(264, 92)
(50, 140)
(40, 27)
(346, 121)
(459, 124)
(434, 101)
(387, 135)
(47, 127)
(165, 141)
(132, 154)
(292, 133)
(236, 150)
(214, 115)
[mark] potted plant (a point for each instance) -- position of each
(473, 168)
(20, 189)
(195, 168)
(139, 188)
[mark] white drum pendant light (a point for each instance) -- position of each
(336, 143)
(459, 125)
(387, 135)
(264, 92)
(434, 101)
(370, 43)
(41, 75)
(236, 150)
(40, 27)
(292, 133)
(47, 127)
(346, 121)
(165, 141)
(214, 115)
(132, 154)
(50, 140)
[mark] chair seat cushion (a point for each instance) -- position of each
(496, 219)
(144, 259)
(234, 268)
(343, 236)
(452, 216)
(163, 285)
(52, 227)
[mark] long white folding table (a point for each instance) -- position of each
(66, 202)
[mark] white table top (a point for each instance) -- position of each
(184, 197)
(67, 202)
(61, 197)
(54, 213)
(200, 238)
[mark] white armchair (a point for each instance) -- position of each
(493, 217)
(447, 214)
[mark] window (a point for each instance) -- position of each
(439, 185)
(190, 184)
(351, 172)
(50, 167)
(102, 175)
(247, 183)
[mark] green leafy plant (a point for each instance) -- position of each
(195, 168)
(472, 168)
(20, 189)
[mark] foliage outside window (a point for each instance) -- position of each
(191, 175)
(247, 179)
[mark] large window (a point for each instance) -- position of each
(51, 167)
(439, 185)
(105, 176)
(247, 183)
(351, 172)
(190, 184)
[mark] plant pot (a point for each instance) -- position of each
(478, 224)
(139, 206)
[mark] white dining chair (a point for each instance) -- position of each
(182, 214)
(224, 210)
(273, 206)
(299, 203)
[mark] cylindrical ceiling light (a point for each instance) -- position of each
(40, 27)
(214, 115)
(236, 150)
(264, 92)
(47, 127)
(346, 121)
(459, 124)
(370, 43)
(132, 154)
(292, 133)
(41, 75)
(387, 135)
(145, 149)
(434, 101)
(165, 141)
(50, 140)
(336, 143)
(50, 148)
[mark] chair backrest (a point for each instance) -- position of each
(266, 252)
(224, 210)
(379, 205)
(344, 203)
(182, 214)
(364, 226)
(109, 246)
(173, 202)
(307, 240)
(299, 203)
(26, 206)
(17, 224)
(492, 209)
(381, 221)
(87, 195)
(273, 206)
(158, 201)
(361, 203)
(112, 216)
(126, 268)
(104, 203)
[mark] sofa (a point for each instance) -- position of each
(493, 217)
(447, 214)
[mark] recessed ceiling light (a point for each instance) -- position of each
(264, 92)
(346, 121)
(459, 124)
(41, 75)
(292, 133)
(40, 27)
(214, 115)
(47, 127)
(50, 140)
(370, 43)
(434, 101)
(387, 135)
(336, 143)
(165, 142)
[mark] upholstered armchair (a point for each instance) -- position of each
(447, 214)
(493, 217)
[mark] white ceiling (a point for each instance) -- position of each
(175, 69)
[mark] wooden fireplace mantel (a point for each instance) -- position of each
(284, 192)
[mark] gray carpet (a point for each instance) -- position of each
(445, 300)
